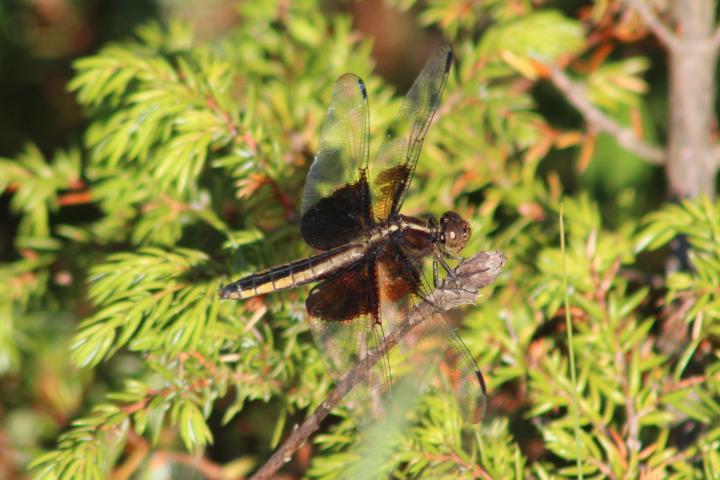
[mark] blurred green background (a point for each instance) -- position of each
(151, 151)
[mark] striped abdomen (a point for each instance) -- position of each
(294, 274)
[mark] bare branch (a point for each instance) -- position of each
(461, 289)
(657, 26)
(576, 95)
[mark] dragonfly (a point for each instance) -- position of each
(369, 265)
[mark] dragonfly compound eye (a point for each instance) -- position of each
(456, 232)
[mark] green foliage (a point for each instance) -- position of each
(190, 173)
(618, 83)
(37, 184)
(143, 296)
(696, 292)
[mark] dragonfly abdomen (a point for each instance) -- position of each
(294, 274)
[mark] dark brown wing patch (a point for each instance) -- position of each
(435, 352)
(390, 184)
(342, 317)
(397, 278)
(396, 159)
(343, 297)
(336, 201)
(338, 219)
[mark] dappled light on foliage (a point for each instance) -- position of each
(118, 359)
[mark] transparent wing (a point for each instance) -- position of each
(336, 199)
(396, 160)
(344, 328)
(434, 350)
(340, 311)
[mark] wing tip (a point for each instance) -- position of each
(481, 407)
(347, 79)
(363, 90)
(481, 380)
(448, 58)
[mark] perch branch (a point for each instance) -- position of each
(460, 289)
(576, 95)
(654, 23)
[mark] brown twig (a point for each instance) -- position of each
(140, 448)
(75, 198)
(576, 95)
(137, 449)
(654, 23)
(475, 470)
(605, 469)
(461, 289)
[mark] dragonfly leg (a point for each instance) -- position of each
(454, 257)
(439, 258)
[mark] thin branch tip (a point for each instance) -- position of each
(576, 95)
(654, 23)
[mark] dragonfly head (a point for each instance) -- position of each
(454, 232)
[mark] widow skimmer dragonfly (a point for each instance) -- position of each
(369, 267)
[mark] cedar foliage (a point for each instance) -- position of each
(193, 164)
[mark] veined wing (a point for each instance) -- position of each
(396, 160)
(336, 200)
(343, 316)
(435, 352)
(446, 365)
(341, 313)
